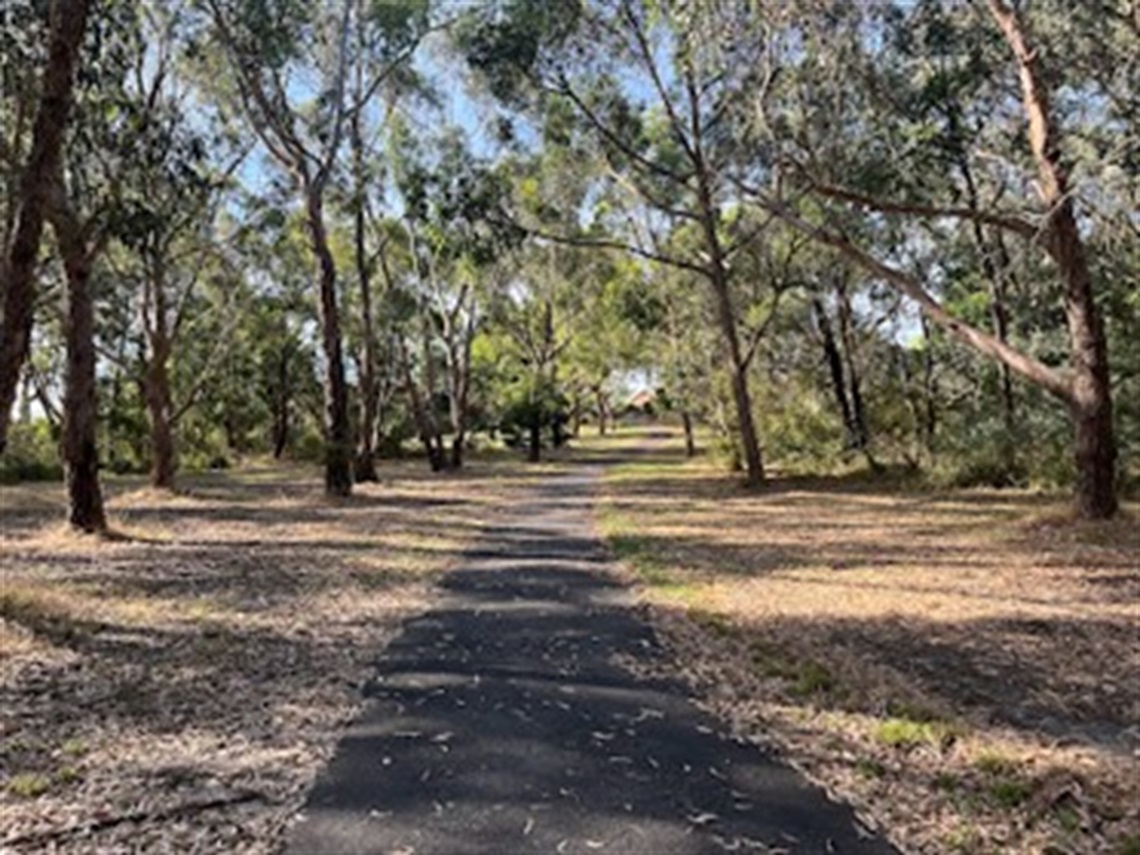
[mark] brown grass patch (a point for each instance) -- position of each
(889, 639)
(209, 654)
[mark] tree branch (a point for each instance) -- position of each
(1008, 222)
(603, 243)
(1053, 381)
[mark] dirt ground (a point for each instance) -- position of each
(962, 666)
(176, 688)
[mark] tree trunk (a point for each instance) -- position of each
(534, 444)
(68, 23)
(726, 319)
(158, 401)
(1091, 405)
(419, 411)
(81, 407)
(602, 411)
(338, 430)
(847, 336)
(366, 431)
(738, 375)
(459, 380)
(156, 377)
(281, 407)
(835, 369)
(690, 442)
(929, 389)
(1091, 395)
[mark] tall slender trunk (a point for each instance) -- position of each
(159, 407)
(460, 386)
(726, 319)
(68, 20)
(156, 379)
(738, 376)
(534, 443)
(439, 455)
(929, 389)
(281, 406)
(718, 276)
(834, 361)
(366, 430)
(906, 380)
(419, 411)
(855, 385)
(690, 442)
(576, 415)
(80, 401)
(338, 429)
(603, 411)
(1090, 399)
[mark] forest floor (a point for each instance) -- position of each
(177, 688)
(961, 666)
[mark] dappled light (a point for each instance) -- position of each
(634, 426)
(821, 608)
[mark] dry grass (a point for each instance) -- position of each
(962, 666)
(180, 684)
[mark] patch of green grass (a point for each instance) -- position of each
(1130, 845)
(910, 711)
(73, 748)
(993, 763)
(808, 676)
(629, 546)
(1005, 787)
(1010, 792)
(813, 678)
(638, 552)
(947, 782)
(907, 733)
(29, 785)
(771, 664)
(68, 775)
(964, 839)
(717, 623)
(870, 768)
(1070, 820)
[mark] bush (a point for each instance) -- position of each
(309, 448)
(989, 471)
(32, 454)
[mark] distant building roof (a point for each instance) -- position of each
(642, 399)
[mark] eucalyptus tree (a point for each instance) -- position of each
(659, 115)
(167, 214)
(534, 335)
(291, 63)
(936, 82)
(30, 178)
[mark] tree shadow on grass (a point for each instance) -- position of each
(1063, 679)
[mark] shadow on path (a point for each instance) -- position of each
(500, 723)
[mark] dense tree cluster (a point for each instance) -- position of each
(896, 232)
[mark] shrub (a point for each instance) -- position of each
(32, 454)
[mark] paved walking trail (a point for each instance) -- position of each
(498, 723)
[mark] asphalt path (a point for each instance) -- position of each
(502, 721)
